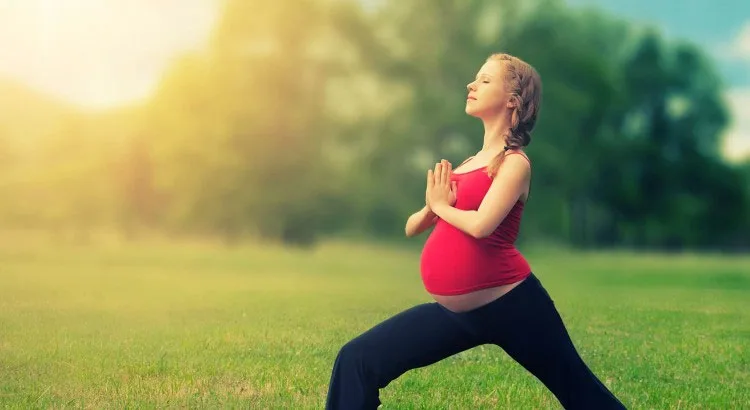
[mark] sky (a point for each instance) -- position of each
(722, 28)
(104, 53)
(99, 53)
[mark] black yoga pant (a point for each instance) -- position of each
(524, 323)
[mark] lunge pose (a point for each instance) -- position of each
(483, 288)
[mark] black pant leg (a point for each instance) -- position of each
(414, 338)
(526, 324)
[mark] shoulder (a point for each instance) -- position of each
(518, 156)
(515, 165)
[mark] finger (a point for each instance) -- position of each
(430, 178)
(442, 169)
(446, 172)
(453, 186)
(438, 173)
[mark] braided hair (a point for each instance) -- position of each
(525, 87)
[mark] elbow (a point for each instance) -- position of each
(480, 231)
(480, 234)
(408, 232)
(482, 228)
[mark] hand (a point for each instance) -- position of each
(440, 189)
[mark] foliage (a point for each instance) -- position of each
(320, 117)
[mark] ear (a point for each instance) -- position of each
(511, 102)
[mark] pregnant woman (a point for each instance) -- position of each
(483, 288)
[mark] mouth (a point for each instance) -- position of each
(471, 98)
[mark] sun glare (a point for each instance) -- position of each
(98, 53)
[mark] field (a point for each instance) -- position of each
(196, 325)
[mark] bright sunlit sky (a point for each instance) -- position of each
(99, 53)
(104, 53)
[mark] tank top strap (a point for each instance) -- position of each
(523, 154)
(466, 160)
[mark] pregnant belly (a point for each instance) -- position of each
(473, 300)
(462, 272)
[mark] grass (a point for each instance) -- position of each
(164, 326)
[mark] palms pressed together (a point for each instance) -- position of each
(440, 188)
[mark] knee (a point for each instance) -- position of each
(354, 351)
(361, 358)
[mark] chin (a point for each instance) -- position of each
(470, 112)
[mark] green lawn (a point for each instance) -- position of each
(200, 326)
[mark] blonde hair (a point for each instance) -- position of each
(525, 86)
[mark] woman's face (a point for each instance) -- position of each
(487, 94)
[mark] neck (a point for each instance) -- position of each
(494, 133)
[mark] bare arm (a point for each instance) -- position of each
(420, 221)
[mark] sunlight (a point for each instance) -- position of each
(98, 53)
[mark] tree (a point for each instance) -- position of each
(241, 128)
(665, 170)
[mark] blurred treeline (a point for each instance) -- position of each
(307, 118)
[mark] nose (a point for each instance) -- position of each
(471, 86)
